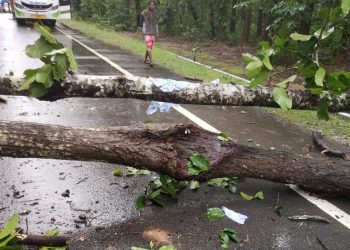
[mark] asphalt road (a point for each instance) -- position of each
(109, 202)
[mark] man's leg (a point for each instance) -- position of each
(151, 43)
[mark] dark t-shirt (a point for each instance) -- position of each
(149, 22)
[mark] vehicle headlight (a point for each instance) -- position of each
(19, 6)
(55, 7)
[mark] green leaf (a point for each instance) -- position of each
(300, 37)
(61, 67)
(131, 171)
(232, 188)
(138, 248)
(322, 109)
(267, 62)
(232, 234)
(279, 209)
(259, 195)
(281, 98)
(10, 227)
(215, 213)
(248, 58)
(44, 75)
(246, 196)
(37, 90)
(224, 137)
(224, 239)
(167, 248)
(30, 76)
(6, 241)
(325, 34)
(156, 183)
(259, 78)
(140, 202)
(72, 62)
(192, 170)
(320, 76)
(40, 48)
(286, 82)
(194, 185)
(117, 172)
(53, 232)
(154, 194)
(200, 162)
(144, 172)
(46, 33)
(254, 68)
(345, 6)
(158, 201)
(219, 182)
(335, 84)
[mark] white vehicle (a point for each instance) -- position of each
(46, 10)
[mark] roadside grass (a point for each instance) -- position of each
(336, 128)
(161, 54)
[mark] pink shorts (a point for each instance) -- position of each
(150, 40)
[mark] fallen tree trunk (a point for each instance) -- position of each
(174, 91)
(166, 149)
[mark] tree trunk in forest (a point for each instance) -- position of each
(306, 21)
(211, 19)
(138, 12)
(267, 21)
(247, 18)
(166, 148)
(173, 91)
(192, 10)
(233, 19)
(259, 25)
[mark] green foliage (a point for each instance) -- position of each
(160, 187)
(215, 213)
(258, 196)
(197, 164)
(53, 233)
(307, 49)
(194, 185)
(224, 137)
(225, 182)
(9, 233)
(57, 61)
(226, 235)
(279, 209)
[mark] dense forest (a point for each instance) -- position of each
(234, 21)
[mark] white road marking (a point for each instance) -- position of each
(196, 119)
(324, 205)
(212, 68)
(107, 60)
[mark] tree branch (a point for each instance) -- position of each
(174, 91)
(166, 149)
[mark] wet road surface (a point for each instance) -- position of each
(109, 202)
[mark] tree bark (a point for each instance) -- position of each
(173, 91)
(306, 21)
(247, 18)
(233, 18)
(138, 12)
(267, 20)
(167, 148)
(259, 25)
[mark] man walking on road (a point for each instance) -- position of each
(149, 29)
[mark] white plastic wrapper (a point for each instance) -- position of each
(237, 217)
